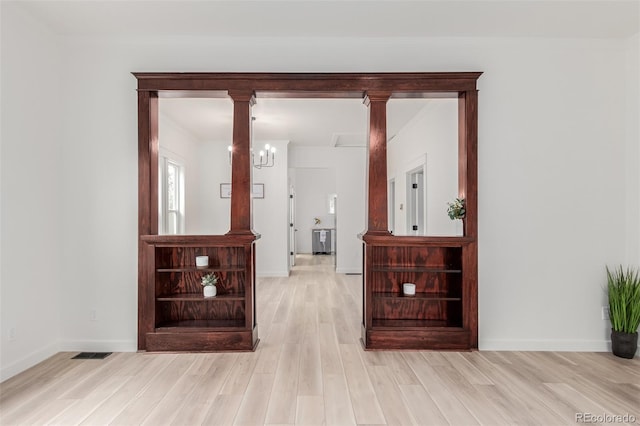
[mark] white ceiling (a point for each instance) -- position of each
(321, 121)
(318, 122)
(359, 18)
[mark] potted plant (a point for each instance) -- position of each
(457, 210)
(209, 282)
(623, 290)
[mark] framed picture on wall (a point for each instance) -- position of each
(225, 190)
(257, 191)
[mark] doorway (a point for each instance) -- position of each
(292, 227)
(315, 211)
(416, 208)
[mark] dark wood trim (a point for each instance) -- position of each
(241, 215)
(468, 134)
(147, 198)
(316, 84)
(445, 266)
(411, 240)
(468, 158)
(377, 219)
(199, 240)
(209, 341)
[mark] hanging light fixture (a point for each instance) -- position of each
(265, 158)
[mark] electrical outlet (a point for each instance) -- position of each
(12, 334)
(605, 313)
(93, 315)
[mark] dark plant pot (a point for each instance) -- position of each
(623, 344)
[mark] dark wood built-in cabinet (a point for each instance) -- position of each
(183, 319)
(172, 313)
(438, 315)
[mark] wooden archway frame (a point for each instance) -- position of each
(375, 89)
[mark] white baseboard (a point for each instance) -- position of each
(348, 270)
(99, 346)
(545, 345)
(28, 361)
(272, 274)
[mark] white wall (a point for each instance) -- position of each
(312, 187)
(271, 215)
(349, 166)
(214, 217)
(31, 248)
(555, 126)
(632, 154)
(431, 139)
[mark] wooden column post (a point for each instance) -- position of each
(377, 221)
(468, 189)
(241, 219)
(468, 158)
(147, 204)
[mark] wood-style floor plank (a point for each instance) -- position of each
(310, 368)
(283, 398)
(337, 402)
(363, 397)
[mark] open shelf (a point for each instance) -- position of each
(191, 297)
(418, 296)
(202, 269)
(443, 270)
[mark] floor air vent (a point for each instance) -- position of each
(92, 355)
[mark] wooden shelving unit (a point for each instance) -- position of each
(174, 299)
(437, 316)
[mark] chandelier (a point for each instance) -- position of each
(265, 158)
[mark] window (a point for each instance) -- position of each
(172, 197)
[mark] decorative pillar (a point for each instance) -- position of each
(148, 146)
(468, 158)
(241, 219)
(377, 220)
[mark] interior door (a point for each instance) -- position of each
(292, 228)
(416, 199)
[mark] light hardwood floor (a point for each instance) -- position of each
(309, 368)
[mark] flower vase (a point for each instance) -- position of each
(209, 290)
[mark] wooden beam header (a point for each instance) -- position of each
(312, 85)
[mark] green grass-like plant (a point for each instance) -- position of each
(623, 288)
